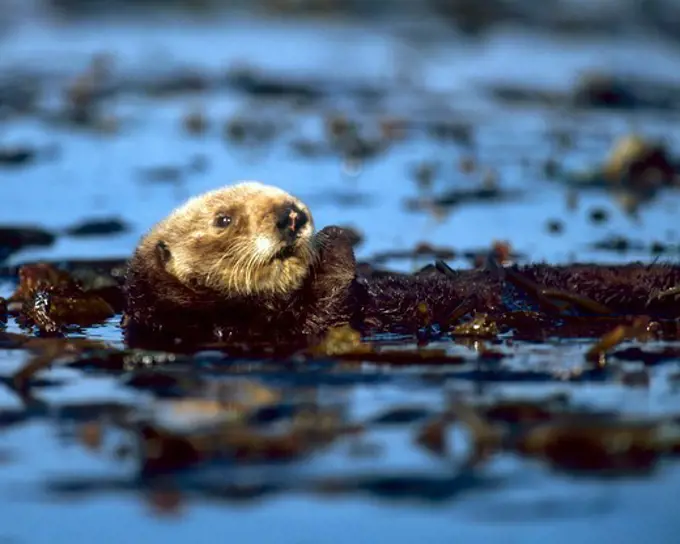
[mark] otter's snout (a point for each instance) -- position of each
(290, 220)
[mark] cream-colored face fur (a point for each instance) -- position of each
(246, 238)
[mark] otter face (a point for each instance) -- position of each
(247, 238)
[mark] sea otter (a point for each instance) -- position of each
(244, 262)
(239, 262)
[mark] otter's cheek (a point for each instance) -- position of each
(264, 246)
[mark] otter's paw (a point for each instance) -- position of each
(336, 235)
(336, 265)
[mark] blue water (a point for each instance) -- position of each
(96, 175)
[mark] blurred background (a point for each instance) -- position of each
(409, 121)
(433, 128)
(468, 16)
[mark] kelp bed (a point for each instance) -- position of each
(265, 405)
(50, 302)
(505, 173)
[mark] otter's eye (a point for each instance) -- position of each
(222, 221)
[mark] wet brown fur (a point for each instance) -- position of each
(161, 308)
(628, 289)
(330, 293)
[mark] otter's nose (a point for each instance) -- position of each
(290, 221)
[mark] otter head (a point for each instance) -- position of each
(243, 239)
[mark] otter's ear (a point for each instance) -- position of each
(163, 252)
